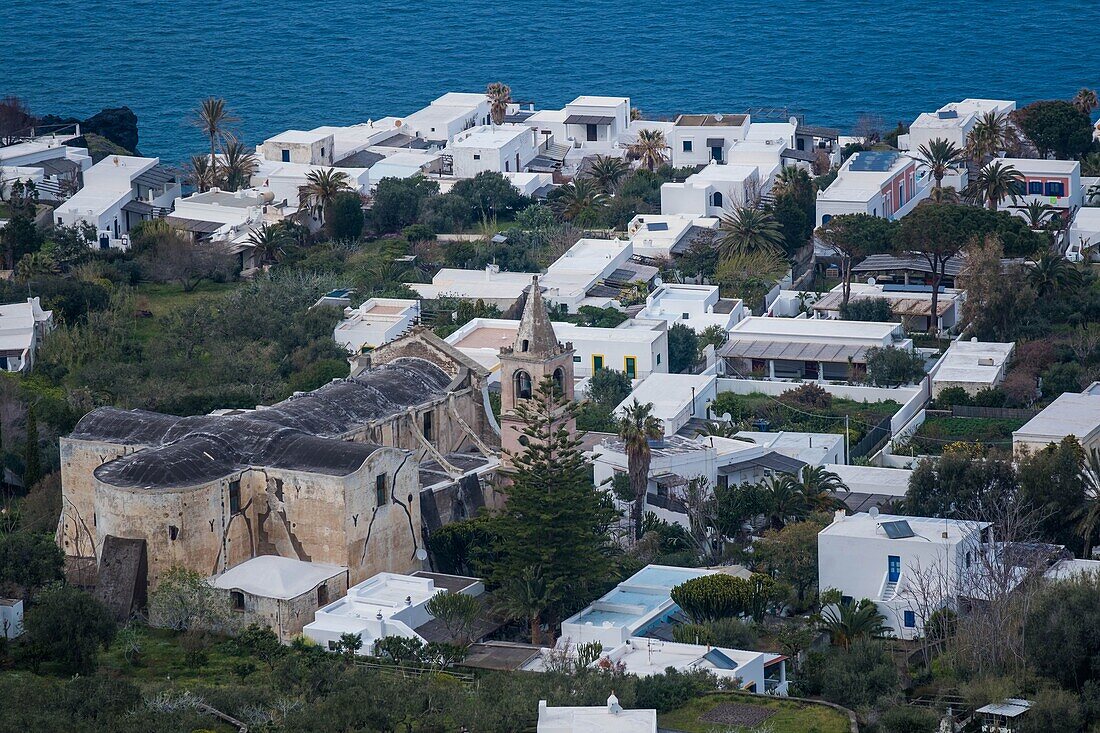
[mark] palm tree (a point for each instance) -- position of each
(578, 201)
(268, 242)
(200, 174)
(608, 172)
(637, 427)
(239, 165)
(747, 229)
(718, 429)
(994, 183)
(784, 500)
(1052, 273)
(944, 195)
(1088, 515)
(1085, 100)
(819, 487)
(650, 149)
(500, 96)
(214, 120)
(321, 188)
(525, 596)
(940, 156)
(1037, 212)
(1090, 164)
(791, 180)
(847, 622)
(989, 136)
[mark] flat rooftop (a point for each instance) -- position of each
(238, 199)
(1039, 165)
(597, 101)
(711, 120)
(925, 529)
(669, 393)
(873, 479)
(962, 362)
(1070, 414)
(811, 329)
(490, 136)
(298, 137)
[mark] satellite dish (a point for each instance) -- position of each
(421, 554)
(873, 512)
(718, 117)
(658, 282)
(870, 281)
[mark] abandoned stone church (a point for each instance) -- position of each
(352, 474)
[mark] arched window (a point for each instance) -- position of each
(559, 381)
(521, 385)
(825, 219)
(716, 199)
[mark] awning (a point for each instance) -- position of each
(155, 177)
(195, 226)
(806, 156)
(138, 207)
(588, 120)
(794, 351)
(771, 460)
(716, 142)
(825, 133)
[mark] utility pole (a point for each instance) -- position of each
(847, 441)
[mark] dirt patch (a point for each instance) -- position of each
(733, 713)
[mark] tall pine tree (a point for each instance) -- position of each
(32, 457)
(555, 526)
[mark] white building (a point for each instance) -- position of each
(676, 398)
(118, 192)
(387, 604)
(281, 593)
(908, 566)
(609, 719)
(1084, 234)
(286, 180)
(1053, 182)
(952, 122)
(449, 115)
(972, 365)
(228, 217)
(375, 322)
(595, 124)
(634, 606)
(491, 285)
(696, 306)
(885, 184)
(664, 235)
(814, 449)
(806, 348)
(405, 164)
(678, 459)
(712, 191)
(495, 148)
(23, 326)
(759, 672)
(871, 486)
(297, 146)
(637, 348)
(910, 303)
(11, 618)
(698, 139)
(1070, 414)
(48, 162)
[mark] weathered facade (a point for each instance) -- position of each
(330, 476)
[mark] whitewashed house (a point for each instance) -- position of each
(494, 148)
(1053, 182)
(609, 719)
(752, 671)
(973, 365)
(375, 322)
(664, 235)
(952, 122)
(909, 567)
(447, 116)
(119, 191)
(23, 327)
(11, 618)
(713, 191)
(1070, 414)
(297, 146)
(698, 307)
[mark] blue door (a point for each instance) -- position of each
(894, 568)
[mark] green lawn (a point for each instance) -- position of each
(789, 717)
(936, 432)
(160, 300)
(827, 420)
(162, 656)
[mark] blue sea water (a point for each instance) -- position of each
(301, 63)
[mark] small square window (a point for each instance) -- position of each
(237, 600)
(910, 620)
(286, 156)
(685, 316)
(576, 359)
(331, 645)
(477, 156)
(687, 146)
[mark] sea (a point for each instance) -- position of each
(297, 64)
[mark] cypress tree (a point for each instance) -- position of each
(555, 524)
(32, 465)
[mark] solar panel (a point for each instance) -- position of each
(657, 226)
(871, 160)
(898, 530)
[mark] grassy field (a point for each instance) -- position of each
(160, 300)
(789, 717)
(161, 656)
(936, 432)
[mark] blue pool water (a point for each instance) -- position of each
(301, 63)
(657, 576)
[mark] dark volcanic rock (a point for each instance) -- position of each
(117, 124)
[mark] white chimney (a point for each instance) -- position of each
(613, 705)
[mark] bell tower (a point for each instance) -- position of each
(535, 355)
